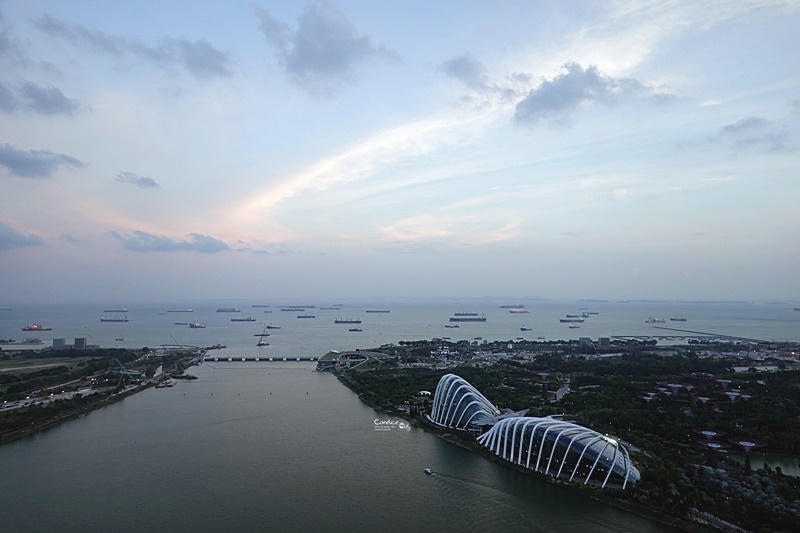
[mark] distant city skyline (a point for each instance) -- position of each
(315, 149)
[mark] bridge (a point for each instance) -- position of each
(231, 359)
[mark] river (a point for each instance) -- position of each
(271, 446)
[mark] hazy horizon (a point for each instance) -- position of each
(619, 150)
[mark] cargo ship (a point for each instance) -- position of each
(227, 309)
(346, 321)
(465, 313)
(107, 319)
(377, 311)
(196, 325)
(36, 327)
(245, 319)
(513, 306)
(572, 319)
(467, 319)
(115, 310)
(518, 311)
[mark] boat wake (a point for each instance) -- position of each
(494, 503)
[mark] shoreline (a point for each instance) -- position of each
(71, 415)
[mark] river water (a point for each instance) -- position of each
(271, 447)
(279, 447)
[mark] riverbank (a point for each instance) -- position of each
(72, 414)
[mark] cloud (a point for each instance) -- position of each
(47, 100)
(140, 241)
(69, 239)
(35, 163)
(466, 69)
(742, 134)
(13, 238)
(323, 53)
(557, 98)
(134, 179)
(777, 142)
(199, 57)
(33, 97)
(6, 46)
(8, 102)
(745, 124)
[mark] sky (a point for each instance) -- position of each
(189, 149)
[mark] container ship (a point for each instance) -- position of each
(346, 321)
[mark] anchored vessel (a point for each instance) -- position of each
(346, 321)
(36, 327)
(468, 318)
(106, 319)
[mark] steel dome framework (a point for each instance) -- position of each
(547, 445)
(456, 404)
(561, 449)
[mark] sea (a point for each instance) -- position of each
(280, 447)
